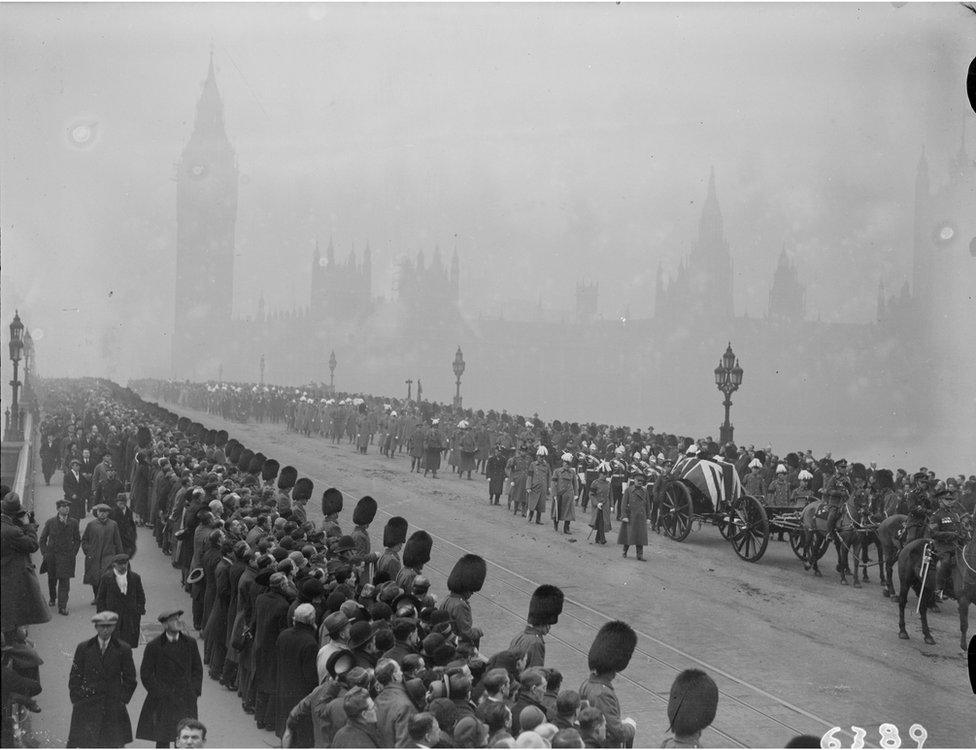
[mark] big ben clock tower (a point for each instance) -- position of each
(206, 215)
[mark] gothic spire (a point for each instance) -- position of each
(711, 233)
(210, 108)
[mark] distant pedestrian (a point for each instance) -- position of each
(191, 733)
(100, 542)
(172, 674)
(101, 683)
(60, 541)
(120, 591)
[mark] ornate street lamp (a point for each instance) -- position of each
(28, 358)
(728, 378)
(409, 389)
(16, 348)
(262, 369)
(332, 365)
(458, 372)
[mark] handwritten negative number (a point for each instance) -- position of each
(890, 739)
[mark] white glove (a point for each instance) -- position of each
(630, 723)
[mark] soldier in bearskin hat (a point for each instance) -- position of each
(286, 482)
(362, 516)
(331, 508)
(609, 654)
(300, 496)
(394, 535)
(544, 609)
(416, 554)
(269, 472)
(692, 705)
(467, 578)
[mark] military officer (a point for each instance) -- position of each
(837, 489)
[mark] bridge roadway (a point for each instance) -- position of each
(790, 653)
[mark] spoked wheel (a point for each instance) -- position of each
(676, 511)
(724, 527)
(749, 532)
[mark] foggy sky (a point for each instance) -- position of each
(548, 143)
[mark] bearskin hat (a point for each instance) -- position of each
(884, 479)
(546, 605)
(364, 512)
(826, 466)
(234, 453)
(730, 452)
(270, 470)
(416, 552)
(612, 648)
(222, 437)
(761, 455)
(303, 489)
(143, 436)
(693, 702)
(244, 459)
(331, 501)
(197, 430)
(256, 463)
(211, 437)
(468, 575)
(859, 472)
(287, 478)
(182, 424)
(229, 445)
(793, 460)
(395, 531)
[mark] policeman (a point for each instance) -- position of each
(837, 489)
(946, 529)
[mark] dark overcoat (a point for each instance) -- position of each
(100, 542)
(130, 607)
(270, 618)
(76, 491)
(295, 672)
(100, 687)
(21, 602)
(139, 492)
(60, 542)
(215, 630)
(173, 677)
(635, 507)
(209, 561)
(127, 528)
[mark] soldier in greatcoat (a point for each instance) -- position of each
(517, 471)
(101, 683)
(635, 509)
(100, 542)
(172, 674)
(394, 536)
(565, 487)
(121, 591)
(59, 543)
(537, 484)
(600, 499)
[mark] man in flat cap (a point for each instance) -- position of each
(60, 541)
(172, 674)
(101, 683)
(120, 591)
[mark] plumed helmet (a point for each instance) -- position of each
(612, 648)
(546, 605)
(542, 451)
(780, 469)
(755, 464)
(244, 459)
(287, 478)
(568, 457)
(416, 552)
(468, 575)
(859, 471)
(805, 475)
(303, 489)
(793, 460)
(270, 470)
(364, 512)
(331, 501)
(143, 436)
(884, 479)
(395, 531)
(222, 437)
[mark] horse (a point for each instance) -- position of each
(890, 544)
(814, 532)
(910, 577)
(964, 585)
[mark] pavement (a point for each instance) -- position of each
(219, 709)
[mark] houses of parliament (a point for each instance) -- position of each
(818, 381)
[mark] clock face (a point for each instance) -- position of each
(198, 170)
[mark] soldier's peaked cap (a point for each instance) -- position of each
(395, 531)
(303, 489)
(364, 512)
(270, 470)
(331, 501)
(612, 648)
(546, 605)
(287, 478)
(468, 575)
(416, 551)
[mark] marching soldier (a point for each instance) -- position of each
(537, 482)
(599, 492)
(565, 486)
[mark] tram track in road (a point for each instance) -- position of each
(591, 619)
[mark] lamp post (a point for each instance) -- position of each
(28, 358)
(332, 365)
(420, 391)
(728, 378)
(409, 389)
(458, 372)
(262, 369)
(16, 347)
(220, 373)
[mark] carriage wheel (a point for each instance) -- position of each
(750, 528)
(676, 511)
(724, 527)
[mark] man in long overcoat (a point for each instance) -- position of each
(101, 683)
(60, 541)
(295, 672)
(22, 602)
(100, 542)
(635, 508)
(121, 513)
(270, 618)
(75, 489)
(215, 631)
(172, 674)
(121, 591)
(537, 484)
